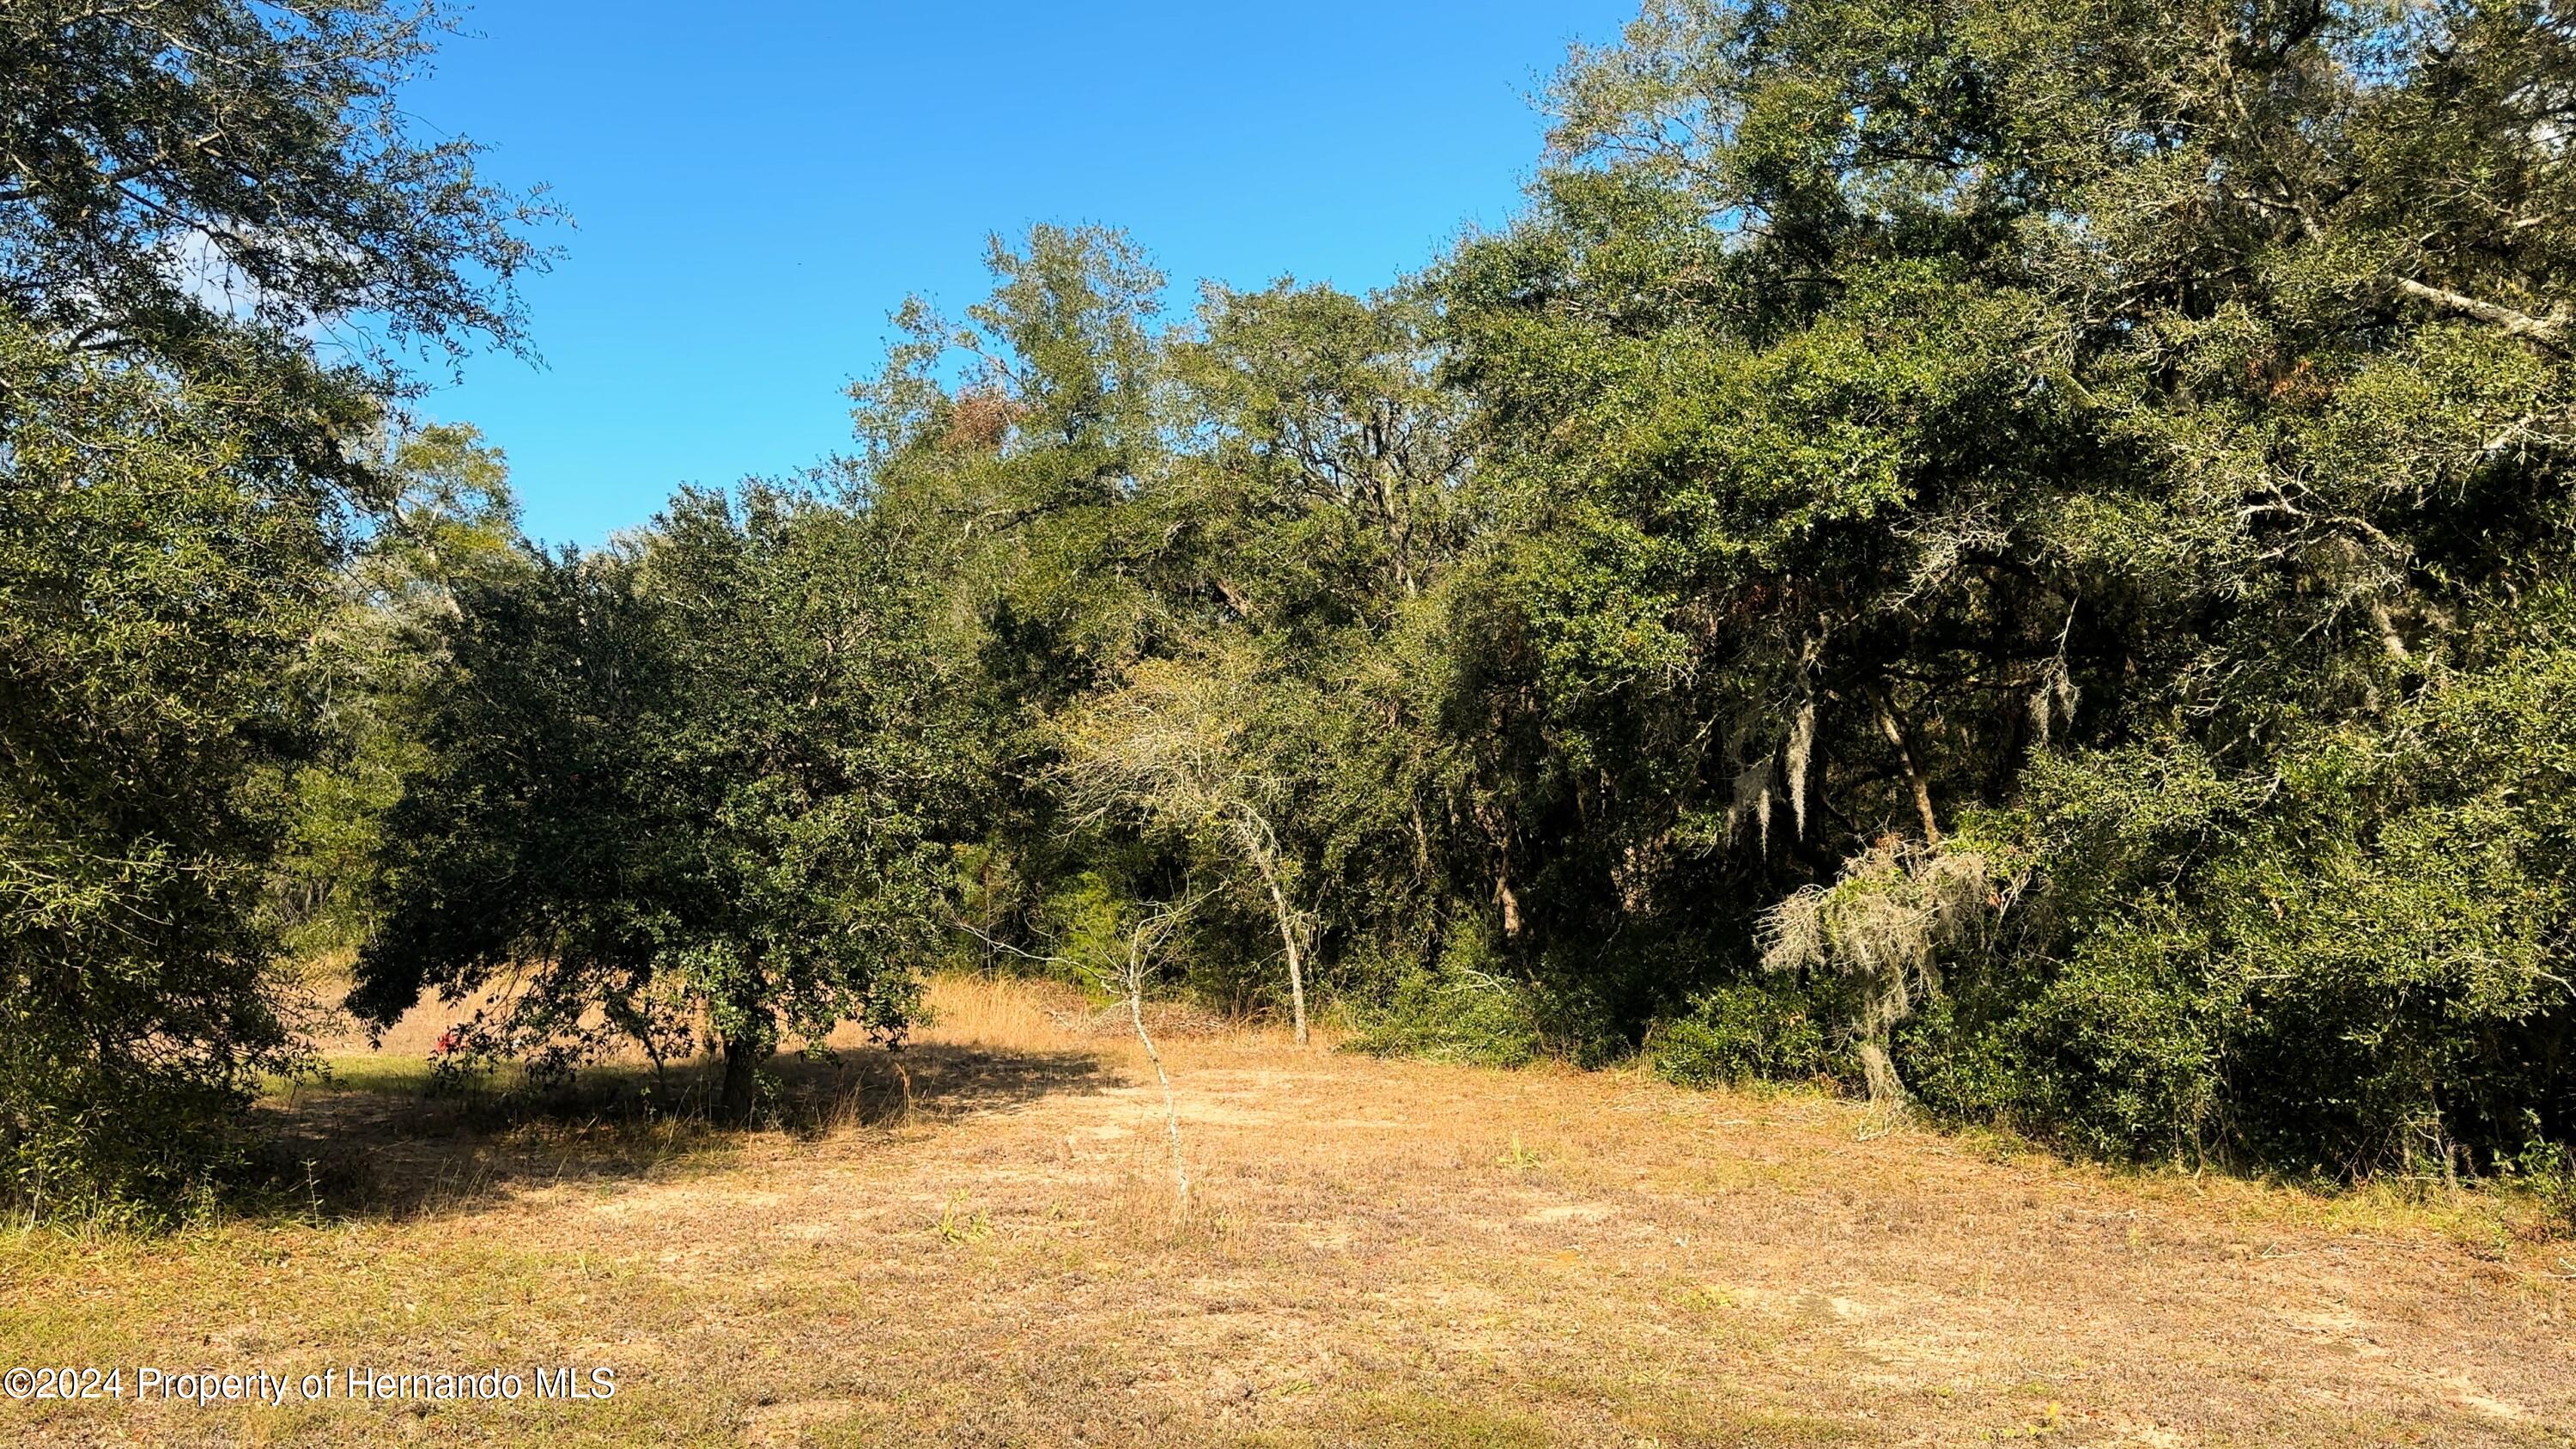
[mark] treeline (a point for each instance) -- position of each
(2010, 554)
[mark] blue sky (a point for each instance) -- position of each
(755, 186)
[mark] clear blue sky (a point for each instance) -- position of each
(755, 186)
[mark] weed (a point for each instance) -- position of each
(962, 1227)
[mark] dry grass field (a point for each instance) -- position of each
(1380, 1253)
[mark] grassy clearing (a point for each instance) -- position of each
(973, 1243)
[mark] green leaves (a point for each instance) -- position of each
(159, 577)
(698, 791)
(176, 174)
(2067, 426)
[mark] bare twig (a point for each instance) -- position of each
(1147, 936)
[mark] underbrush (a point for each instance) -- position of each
(1740, 1034)
(1452, 1015)
(1780, 1033)
(2547, 1170)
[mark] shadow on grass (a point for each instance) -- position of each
(388, 1140)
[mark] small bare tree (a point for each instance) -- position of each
(1126, 977)
(1144, 940)
(1174, 743)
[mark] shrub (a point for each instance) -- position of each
(1759, 1030)
(1455, 1010)
(2549, 1170)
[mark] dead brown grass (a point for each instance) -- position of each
(979, 1248)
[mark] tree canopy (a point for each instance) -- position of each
(206, 209)
(697, 792)
(2008, 554)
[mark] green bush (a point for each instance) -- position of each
(1741, 1033)
(2358, 964)
(1455, 1010)
(2549, 1170)
(2116, 1051)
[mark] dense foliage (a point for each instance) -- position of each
(2008, 554)
(156, 578)
(190, 194)
(2129, 441)
(692, 792)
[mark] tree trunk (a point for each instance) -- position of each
(1261, 843)
(1296, 965)
(1897, 735)
(1878, 1069)
(741, 1066)
(1136, 948)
